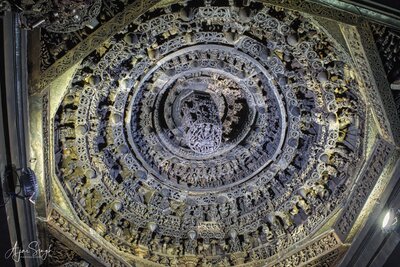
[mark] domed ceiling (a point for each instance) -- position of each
(218, 134)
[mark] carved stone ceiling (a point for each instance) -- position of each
(217, 134)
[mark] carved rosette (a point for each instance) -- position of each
(219, 133)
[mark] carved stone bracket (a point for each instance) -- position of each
(189, 261)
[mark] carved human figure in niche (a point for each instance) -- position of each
(125, 228)
(212, 213)
(155, 243)
(304, 206)
(277, 227)
(322, 191)
(254, 256)
(224, 262)
(190, 246)
(139, 196)
(294, 210)
(204, 248)
(92, 201)
(234, 245)
(145, 237)
(247, 243)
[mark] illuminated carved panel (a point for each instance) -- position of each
(378, 89)
(363, 187)
(186, 139)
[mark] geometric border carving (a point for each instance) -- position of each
(59, 224)
(375, 165)
(46, 152)
(308, 254)
(375, 84)
(330, 259)
(327, 246)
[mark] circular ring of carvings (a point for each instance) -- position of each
(210, 131)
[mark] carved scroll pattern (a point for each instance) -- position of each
(327, 245)
(84, 239)
(363, 187)
(365, 54)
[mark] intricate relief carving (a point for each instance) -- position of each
(210, 133)
(84, 240)
(91, 40)
(328, 260)
(55, 45)
(203, 128)
(327, 245)
(373, 77)
(387, 41)
(61, 255)
(363, 187)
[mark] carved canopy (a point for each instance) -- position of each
(222, 133)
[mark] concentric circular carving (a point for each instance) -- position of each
(202, 117)
(212, 131)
